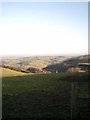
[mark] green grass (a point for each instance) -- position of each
(20, 84)
(42, 95)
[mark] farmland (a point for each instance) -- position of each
(44, 96)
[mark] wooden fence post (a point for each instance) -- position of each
(73, 100)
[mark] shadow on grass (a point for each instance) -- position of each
(77, 77)
(46, 97)
(37, 104)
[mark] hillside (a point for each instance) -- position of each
(7, 72)
(43, 64)
(32, 62)
(44, 96)
(79, 63)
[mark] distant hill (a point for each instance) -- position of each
(42, 64)
(37, 63)
(78, 63)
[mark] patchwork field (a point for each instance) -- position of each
(33, 96)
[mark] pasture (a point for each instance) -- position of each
(44, 96)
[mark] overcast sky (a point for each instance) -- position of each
(44, 28)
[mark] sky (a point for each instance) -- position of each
(43, 28)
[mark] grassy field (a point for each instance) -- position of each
(44, 96)
(7, 72)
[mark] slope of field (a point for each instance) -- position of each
(44, 96)
(7, 72)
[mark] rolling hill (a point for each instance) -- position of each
(45, 96)
(42, 64)
(78, 63)
(34, 62)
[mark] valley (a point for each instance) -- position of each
(47, 94)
